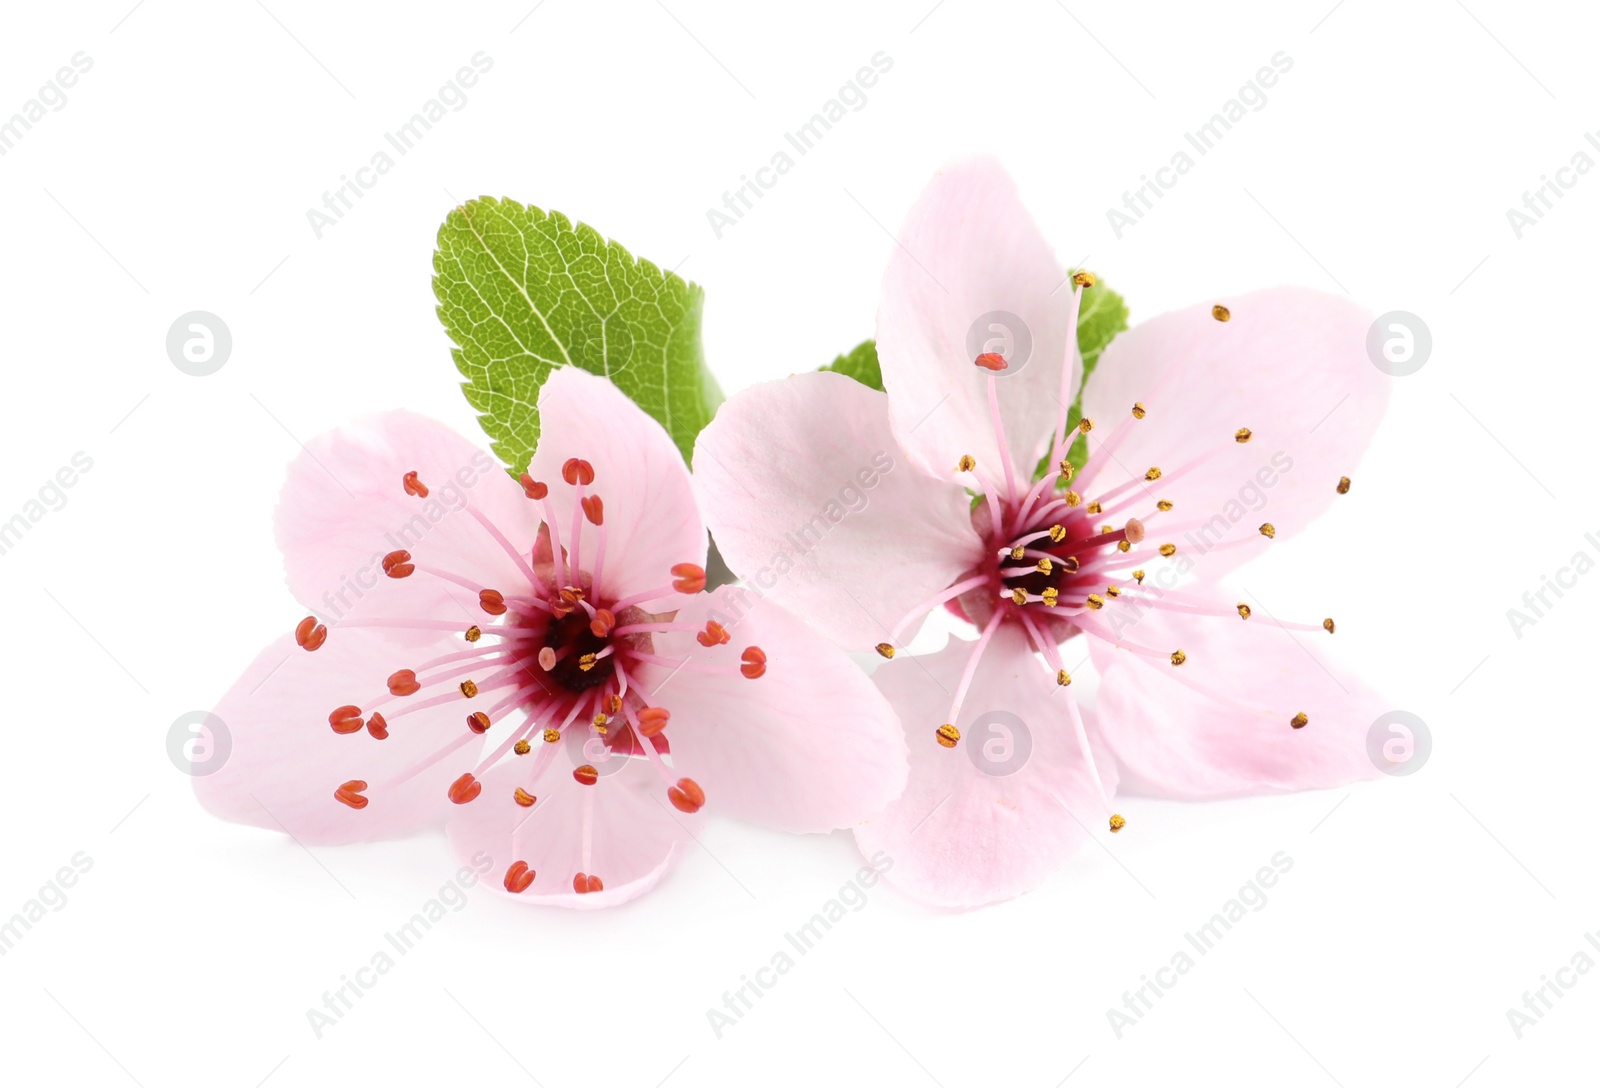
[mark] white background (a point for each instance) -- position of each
(177, 178)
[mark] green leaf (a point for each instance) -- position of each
(860, 363)
(1102, 316)
(522, 291)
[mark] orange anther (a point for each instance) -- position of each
(604, 620)
(492, 601)
(346, 719)
(309, 634)
(754, 663)
(397, 564)
(593, 509)
(586, 775)
(533, 488)
(653, 719)
(686, 796)
(990, 361)
(577, 471)
(378, 727)
(414, 486)
(518, 877)
(688, 578)
(583, 884)
(403, 682)
(524, 798)
(465, 789)
(350, 793)
(714, 634)
(478, 721)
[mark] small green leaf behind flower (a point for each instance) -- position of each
(860, 363)
(523, 291)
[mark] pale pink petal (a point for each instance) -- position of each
(960, 836)
(621, 829)
(651, 520)
(813, 503)
(809, 746)
(1290, 365)
(344, 507)
(283, 761)
(1227, 730)
(969, 253)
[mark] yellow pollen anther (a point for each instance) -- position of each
(1299, 720)
(1104, 529)
(1067, 471)
(1018, 552)
(966, 464)
(1138, 576)
(1344, 485)
(884, 649)
(947, 735)
(1094, 508)
(1153, 474)
(1220, 312)
(1124, 546)
(1050, 596)
(1117, 823)
(1138, 410)
(586, 662)
(1072, 498)
(1045, 566)
(614, 703)
(1179, 657)
(1169, 550)
(1019, 597)
(1095, 601)
(474, 633)
(522, 747)
(1113, 591)
(601, 719)
(1083, 279)
(1163, 506)
(1062, 677)
(551, 736)
(468, 688)
(1058, 533)
(1244, 610)
(1327, 625)
(1085, 425)
(1267, 530)
(1242, 435)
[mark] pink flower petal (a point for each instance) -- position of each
(959, 836)
(651, 520)
(1290, 365)
(808, 746)
(285, 761)
(1233, 736)
(345, 506)
(633, 835)
(970, 254)
(812, 502)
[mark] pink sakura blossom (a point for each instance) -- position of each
(538, 663)
(1211, 431)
